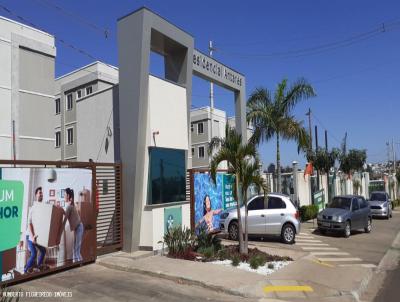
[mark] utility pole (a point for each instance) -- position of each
(316, 150)
(394, 157)
(326, 140)
(309, 126)
(211, 50)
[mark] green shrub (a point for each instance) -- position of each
(308, 212)
(223, 254)
(254, 262)
(180, 241)
(207, 252)
(271, 266)
(235, 260)
(205, 240)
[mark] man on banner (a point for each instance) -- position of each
(31, 237)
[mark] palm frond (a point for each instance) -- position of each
(299, 91)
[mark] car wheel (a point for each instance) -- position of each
(368, 228)
(288, 234)
(347, 229)
(322, 231)
(233, 230)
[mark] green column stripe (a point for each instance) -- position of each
(1, 253)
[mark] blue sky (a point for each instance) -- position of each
(355, 85)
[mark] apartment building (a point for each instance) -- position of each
(201, 133)
(232, 124)
(83, 113)
(26, 92)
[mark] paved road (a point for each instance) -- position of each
(369, 249)
(96, 283)
(390, 292)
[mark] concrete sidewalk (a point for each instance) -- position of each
(327, 283)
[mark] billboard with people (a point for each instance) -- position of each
(210, 199)
(47, 220)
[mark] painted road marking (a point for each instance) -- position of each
(307, 240)
(329, 253)
(304, 237)
(338, 259)
(366, 265)
(311, 244)
(317, 248)
(288, 288)
(323, 263)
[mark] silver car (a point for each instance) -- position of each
(380, 204)
(274, 214)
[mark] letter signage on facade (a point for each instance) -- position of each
(212, 69)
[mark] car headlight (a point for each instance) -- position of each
(224, 215)
(385, 205)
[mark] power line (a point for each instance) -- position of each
(322, 47)
(323, 126)
(74, 16)
(62, 41)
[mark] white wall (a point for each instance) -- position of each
(93, 115)
(168, 114)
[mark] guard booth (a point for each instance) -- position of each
(34, 199)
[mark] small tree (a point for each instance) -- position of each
(250, 176)
(235, 152)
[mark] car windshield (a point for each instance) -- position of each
(378, 196)
(340, 203)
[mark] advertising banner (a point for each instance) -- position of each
(172, 217)
(210, 199)
(47, 220)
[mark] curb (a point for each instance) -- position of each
(179, 280)
(391, 255)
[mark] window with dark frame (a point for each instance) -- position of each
(58, 139)
(201, 152)
(89, 90)
(69, 102)
(58, 106)
(200, 128)
(70, 136)
(192, 151)
(79, 94)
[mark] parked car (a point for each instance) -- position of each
(274, 214)
(380, 204)
(344, 214)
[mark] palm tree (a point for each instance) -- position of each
(250, 176)
(271, 116)
(232, 150)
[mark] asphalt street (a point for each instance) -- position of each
(97, 283)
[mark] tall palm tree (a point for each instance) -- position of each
(235, 152)
(250, 176)
(271, 116)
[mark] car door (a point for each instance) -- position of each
(275, 215)
(356, 215)
(256, 216)
(365, 210)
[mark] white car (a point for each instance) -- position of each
(274, 214)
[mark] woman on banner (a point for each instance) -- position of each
(208, 215)
(75, 223)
